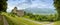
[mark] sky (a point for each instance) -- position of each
(23, 4)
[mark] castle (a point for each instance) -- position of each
(18, 12)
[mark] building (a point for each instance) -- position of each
(18, 12)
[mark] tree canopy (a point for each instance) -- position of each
(57, 6)
(3, 5)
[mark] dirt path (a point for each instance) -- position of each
(49, 23)
(43, 23)
(5, 21)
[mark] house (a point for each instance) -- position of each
(18, 12)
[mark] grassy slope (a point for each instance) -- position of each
(1, 21)
(17, 21)
(57, 23)
(20, 21)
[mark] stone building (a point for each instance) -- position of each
(18, 12)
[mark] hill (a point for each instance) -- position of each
(40, 10)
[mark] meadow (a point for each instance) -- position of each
(15, 20)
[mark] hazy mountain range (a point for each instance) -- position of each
(40, 10)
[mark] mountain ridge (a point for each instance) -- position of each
(40, 10)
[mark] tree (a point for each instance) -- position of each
(3, 5)
(57, 6)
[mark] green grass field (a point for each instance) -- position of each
(57, 23)
(1, 21)
(17, 20)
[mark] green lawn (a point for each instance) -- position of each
(1, 20)
(17, 20)
(57, 23)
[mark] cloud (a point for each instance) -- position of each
(22, 4)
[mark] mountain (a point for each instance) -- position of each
(40, 10)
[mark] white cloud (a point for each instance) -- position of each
(22, 4)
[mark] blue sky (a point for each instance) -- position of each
(23, 4)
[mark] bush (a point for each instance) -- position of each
(42, 17)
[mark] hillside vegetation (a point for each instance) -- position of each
(15, 20)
